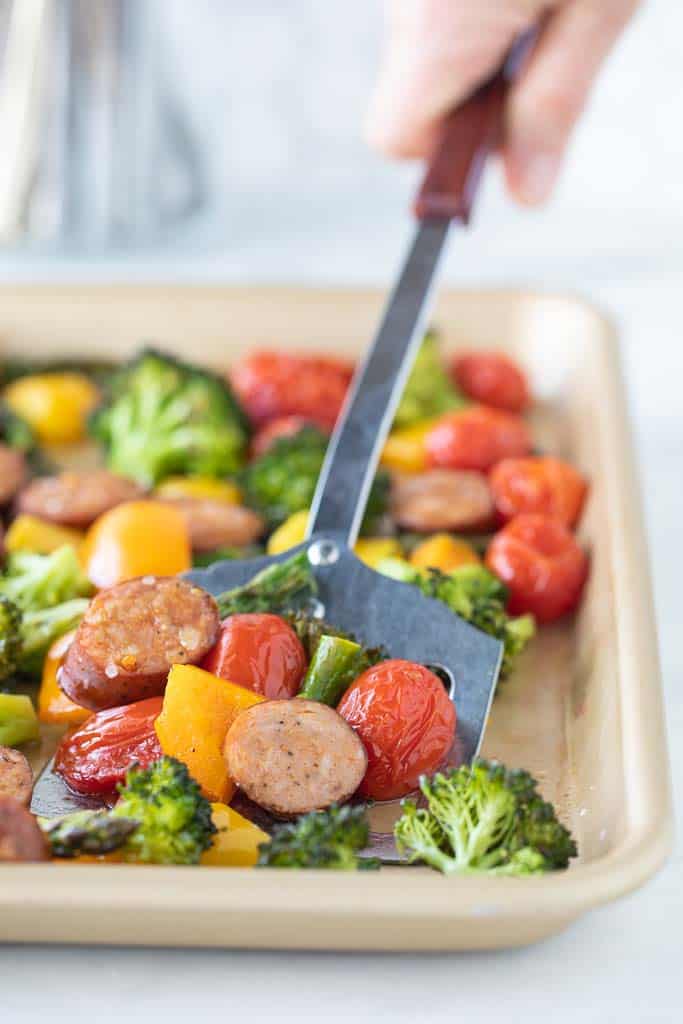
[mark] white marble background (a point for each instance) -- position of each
(277, 91)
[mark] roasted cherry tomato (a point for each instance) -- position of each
(283, 426)
(542, 485)
(406, 720)
(492, 379)
(276, 384)
(542, 565)
(476, 438)
(96, 757)
(261, 652)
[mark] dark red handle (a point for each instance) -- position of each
(469, 135)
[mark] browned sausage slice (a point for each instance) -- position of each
(441, 499)
(21, 838)
(12, 472)
(16, 777)
(130, 636)
(76, 498)
(216, 524)
(294, 756)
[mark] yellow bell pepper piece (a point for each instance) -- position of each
(28, 533)
(53, 705)
(56, 405)
(197, 712)
(289, 534)
(137, 538)
(405, 450)
(199, 487)
(441, 551)
(372, 550)
(237, 841)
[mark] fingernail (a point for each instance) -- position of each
(539, 176)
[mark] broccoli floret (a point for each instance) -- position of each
(162, 416)
(477, 596)
(429, 391)
(282, 481)
(174, 819)
(277, 588)
(42, 597)
(16, 432)
(86, 832)
(322, 839)
(484, 818)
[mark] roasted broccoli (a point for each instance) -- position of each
(16, 432)
(429, 391)
(328, 839)
(282, 481)
(484, 818)
(277, 588)
(86, 832)
(162, 416)
(174, 819)
(41, 598)
(474, 594)
(309, 629)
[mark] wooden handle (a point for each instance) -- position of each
(468, 136)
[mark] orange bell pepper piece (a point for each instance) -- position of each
(53, 705)
(137, 538)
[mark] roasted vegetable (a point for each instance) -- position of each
(174, 819)
(328, 839)
(282, 481)
(202, 559)
(310, 629)
(474, 594)
(429, 391)
(47, 593)
(56, 405)
(15, 431)
(277, 588)
(333, 667)
(18, 720)
(484, 818)
(163, 417)
(86, 832)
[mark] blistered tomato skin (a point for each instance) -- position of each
(96, 756)
(538, 485)
(406, 720)
(542, 565)
(274, 384)
(259, 651)
(492, 379)
(476, 438)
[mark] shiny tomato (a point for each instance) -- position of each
(261, 652)
(476, 438)
(542, 485)
(406, 720)
(542, 565)
(284, 426)
(276, 384)
(492, 379)
(96, 756)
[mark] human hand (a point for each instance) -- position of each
(438, 51)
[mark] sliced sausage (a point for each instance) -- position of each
(16, 777)
(76, 498)
(130, 636)
(294, 756)
(21, 838)
(441, 499)
(12, 472)
(215, 524)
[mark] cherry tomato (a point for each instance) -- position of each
(542, 565)
(284, 426)
(476, 438)
(406, 720)
(492, 379)
(261, 652)
(543, 485)
(96, 756)
(275, 384)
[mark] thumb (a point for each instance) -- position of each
(552, 92)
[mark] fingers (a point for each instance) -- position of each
(552, 92)
(436, 53)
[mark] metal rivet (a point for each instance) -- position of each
(323, 552)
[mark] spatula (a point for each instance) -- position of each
(353, 597)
